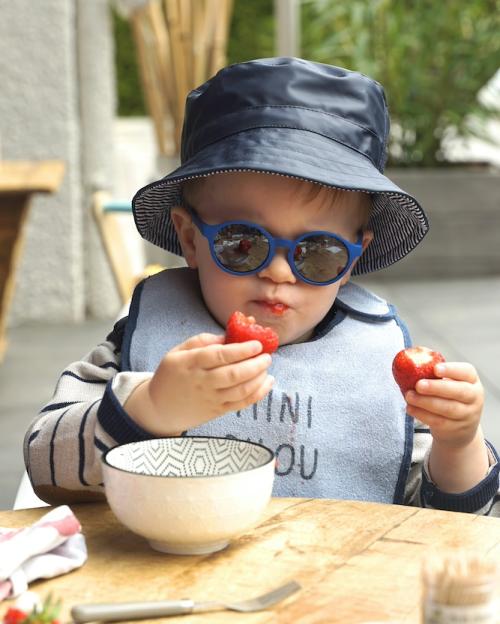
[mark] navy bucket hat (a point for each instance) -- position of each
(295, 118)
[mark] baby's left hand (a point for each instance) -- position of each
(451, 405)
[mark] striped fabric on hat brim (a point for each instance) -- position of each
(397, 220)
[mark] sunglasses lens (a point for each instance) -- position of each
(241, 248)
(320, 258)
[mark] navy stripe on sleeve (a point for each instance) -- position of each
(495, 501)
(91, 381)
(33, 436)
(52, 449)
(55, 406)
(100, 445)
(110, 365)
(81, 445)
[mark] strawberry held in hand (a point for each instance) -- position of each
(413, 364)
(241, 328)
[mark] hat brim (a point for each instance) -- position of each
(398, 221)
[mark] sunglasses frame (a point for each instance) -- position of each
(354, 250)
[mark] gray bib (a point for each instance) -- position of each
(335, 417)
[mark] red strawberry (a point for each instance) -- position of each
(413, 364)
(241, 328)
(14, 616)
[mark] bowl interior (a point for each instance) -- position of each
(188, 457)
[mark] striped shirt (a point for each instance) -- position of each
(85, 417)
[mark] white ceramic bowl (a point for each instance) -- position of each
(188, 495)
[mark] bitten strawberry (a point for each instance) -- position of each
(413, 364)
(241, 328)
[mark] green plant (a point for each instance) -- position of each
(432, 58)
(128, 84)
(252, 31)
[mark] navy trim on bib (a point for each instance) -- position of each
(131, 325)
(365, 316)
(409, 425)
(333, 317)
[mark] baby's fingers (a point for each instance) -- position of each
(221, 355)
(445, 408)
(243, 390)
(461, 391)
(459, 371)
(199, 341)
(232, 375)
(436, 422)
(207, 351)
(250, 399)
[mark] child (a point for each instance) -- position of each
(279, 199)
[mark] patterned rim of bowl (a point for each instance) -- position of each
(105, 458)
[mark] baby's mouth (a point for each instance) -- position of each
(276, 308)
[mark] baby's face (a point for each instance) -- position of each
(286, 209)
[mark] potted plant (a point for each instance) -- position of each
(433, 59)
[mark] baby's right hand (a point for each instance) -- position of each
(199, 380)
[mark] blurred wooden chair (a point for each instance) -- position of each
(107, 216)
(107, 213)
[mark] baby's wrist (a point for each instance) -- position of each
(458, 468)
(142, 409)
(459, 445)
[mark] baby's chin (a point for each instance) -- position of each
(288, 337)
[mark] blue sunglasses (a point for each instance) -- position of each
(244, 248)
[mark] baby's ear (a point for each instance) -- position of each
(367, 239)
(186, 231)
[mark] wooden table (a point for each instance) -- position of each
(18, 181)
(357, 562)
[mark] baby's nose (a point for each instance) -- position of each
(278, 270)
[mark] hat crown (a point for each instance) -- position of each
(343, 105)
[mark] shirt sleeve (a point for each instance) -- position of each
(83, 419)
(420, 491)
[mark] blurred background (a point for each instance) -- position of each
(91, 104)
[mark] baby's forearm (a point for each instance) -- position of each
(458, 469)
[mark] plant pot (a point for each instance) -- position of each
(463, 207)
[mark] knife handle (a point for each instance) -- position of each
(109, 612)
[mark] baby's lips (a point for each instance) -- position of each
(278, 308)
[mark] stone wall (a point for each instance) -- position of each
(463, 207)
(43, 76)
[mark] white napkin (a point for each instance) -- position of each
(51, 546)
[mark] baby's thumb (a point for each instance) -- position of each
(200, 340)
